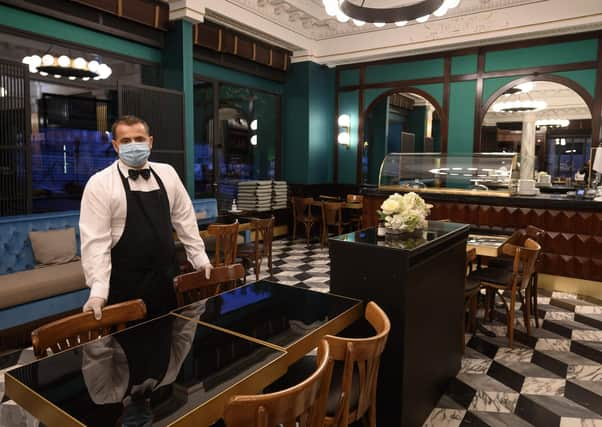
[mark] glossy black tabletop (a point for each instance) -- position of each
(272, 312)
(155, 372)
(436, 231)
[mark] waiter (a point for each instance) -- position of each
(128, 213)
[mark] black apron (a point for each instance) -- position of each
(144, 260)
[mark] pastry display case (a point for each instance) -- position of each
(478, 173)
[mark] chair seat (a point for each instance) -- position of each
(471, 285)
(248, 249)
(498, 276)
(304, 368)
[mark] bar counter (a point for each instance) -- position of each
(573, 227)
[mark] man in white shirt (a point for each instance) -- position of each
(128, 213)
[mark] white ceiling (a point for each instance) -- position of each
(304, 27)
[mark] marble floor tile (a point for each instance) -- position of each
(545, 386)
(475, 366)
(444, 417)
(514, 355)
(494, 401)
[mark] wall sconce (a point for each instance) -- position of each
(344, 137)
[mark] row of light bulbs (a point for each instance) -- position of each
(102, 71)
(333, 9)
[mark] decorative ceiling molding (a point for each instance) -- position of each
(303, 27)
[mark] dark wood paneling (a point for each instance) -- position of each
(478, 102)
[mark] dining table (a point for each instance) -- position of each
(488, 245)
(181, 369)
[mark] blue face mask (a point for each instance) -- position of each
(134, 154)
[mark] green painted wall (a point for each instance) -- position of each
(49, 27)
(404, 71)
(464, 64)
(461, 117)
(417, 124)
(350, 77)
(376, 132)
(536, 56)
(215, 72)
(308, 128)
(177, 74)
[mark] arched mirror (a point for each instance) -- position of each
(402, 122)
(550, 125)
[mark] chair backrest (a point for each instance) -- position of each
(191, 287)
(225, 242)
(525, 257)
(326, 198)
(363, 356)
(332, 213)
(302, 405)
(264, 232)
(301, 208)
(471, 257)
(355, 198)
(80, 328)
(538, 235)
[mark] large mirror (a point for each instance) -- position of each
(403, 122)
(550, 125)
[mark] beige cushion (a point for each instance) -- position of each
(31, 285)
(53, 246)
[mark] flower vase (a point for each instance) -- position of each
(395, 233)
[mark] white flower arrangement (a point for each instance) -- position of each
(405, 213)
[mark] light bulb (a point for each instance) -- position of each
(343, 138)
(344, 120)
(93, 66)
(401, 23)
(254, 125)
(358, 22)
(47, 59)
(35, 60)
(254, 140)
(43, 73)
(64, 61)
(332, 8)
(33, 69)
(26, 60)
(85, 79)
(441, 11)
(79, 63)
(379, 24)
(57, 76)
(341, 17)
(104, 71)
(71, 77)
(423, 19)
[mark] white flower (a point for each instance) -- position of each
(406, 213)
(389, 207)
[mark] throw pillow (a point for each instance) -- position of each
(53, 246)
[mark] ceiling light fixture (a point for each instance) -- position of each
(558, 123)
(420, 11)
(63, 66)
(519, 106)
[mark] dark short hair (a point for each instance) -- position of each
(129, 120)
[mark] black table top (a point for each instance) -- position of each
(158, 371)
(272, 312)
(436, 232)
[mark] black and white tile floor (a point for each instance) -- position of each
(552, 378)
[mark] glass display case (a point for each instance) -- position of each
(486, 173)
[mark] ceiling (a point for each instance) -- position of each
(304, 27)
(563, 103)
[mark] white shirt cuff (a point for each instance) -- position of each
(99, 290)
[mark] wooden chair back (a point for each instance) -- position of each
(264, 233)
(80, 328)
(471, 257)
(302, 405)
(225, 243)
(355, 198)
(363, 356)
(332, 213)
(325, 198)
(301, 208)
(191, 287)
(525, 257)
(538, 235)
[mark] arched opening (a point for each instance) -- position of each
(401, 120)
(548, 120)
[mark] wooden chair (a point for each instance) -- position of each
(302, 213)
(261, 246)
(191, 287)
(514, 282)
(356, 217)
(325, 198)
(225, 243)
(301, 405)
(332, 216)
(471, 293)
(80, 328)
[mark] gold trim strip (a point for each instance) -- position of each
(231, 332)
(254, 51)
(156, 16)
(285, 62)
(235, 44)
(37, 405)
(196, 34)
(219, 40)
(119, 7)
(270, 61)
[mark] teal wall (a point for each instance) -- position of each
(215, 72)
(462, 94)
(376, 132)
(417, 124)
(308, 128)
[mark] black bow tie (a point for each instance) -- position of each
(135, 173)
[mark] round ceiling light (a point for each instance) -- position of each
(360, 14)
(63, 66)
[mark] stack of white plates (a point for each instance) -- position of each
(255, 195)
(279, 194)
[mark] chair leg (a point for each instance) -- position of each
(472, 316)
(294, 230)
(511, 319)
(270, 264)
(527, 309)
(257, 268)
(534, 296)
(307, 232)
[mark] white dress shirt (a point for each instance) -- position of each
(103, 214)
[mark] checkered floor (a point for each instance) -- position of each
(552, 378)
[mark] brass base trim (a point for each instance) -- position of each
(588, 290)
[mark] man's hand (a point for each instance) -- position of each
(95, 304)
(207, 269)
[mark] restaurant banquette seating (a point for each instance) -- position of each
(80, 328)
(31, 290)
